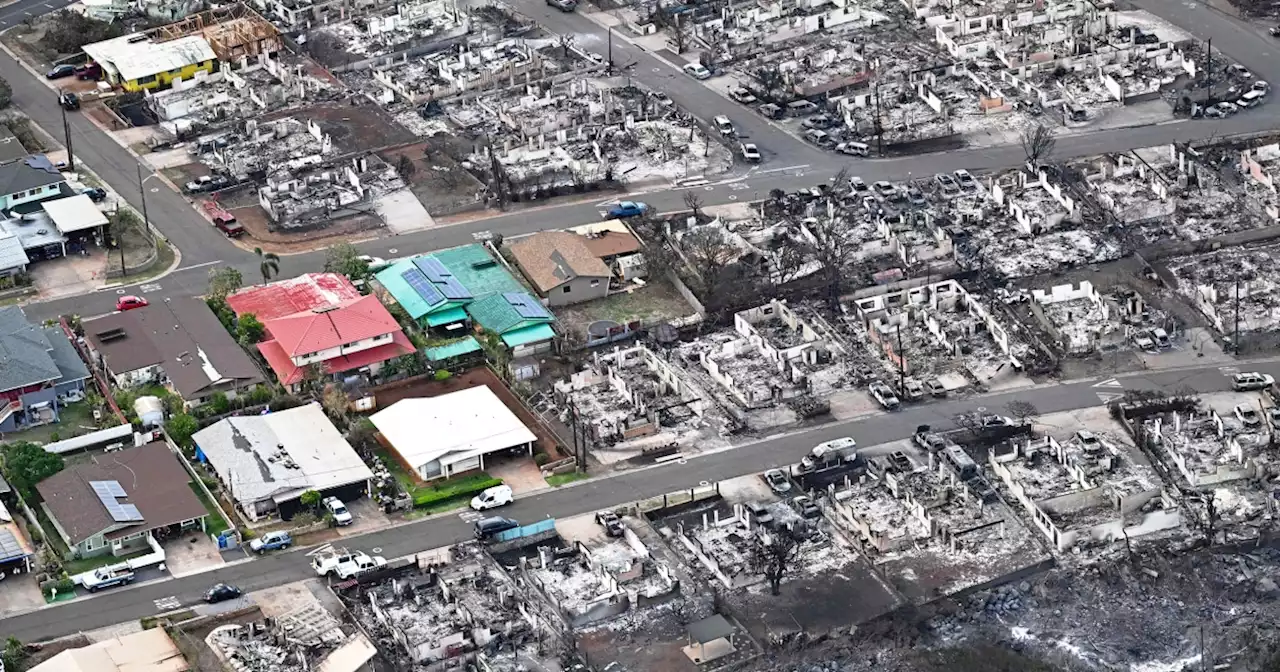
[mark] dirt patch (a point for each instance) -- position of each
(354, 127)
(427, 387)
(103, 116)
(258, 233)
(437, 179)
(652, 304)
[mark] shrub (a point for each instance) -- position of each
(541, 459)
(442, 375)
(457, 490)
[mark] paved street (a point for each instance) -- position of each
(126, 604)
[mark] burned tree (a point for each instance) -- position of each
(1037, 144)
(1022, 411)
(830, 245)
(769, 81)
(775, 555)
(694, 203)
(709, 255)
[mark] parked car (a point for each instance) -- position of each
(271, 541)
(611, 522)
(1248, 416)
(853, 149)
(821, 121)
(916, 197)
(107, 577)
(491, 498)
(884, 395)
(900, 462)
(777, 481)
(1261, 86)
(227, 224)
(71, 397)
(374, 264)
(661, 99)
(1273, 416)
(1227, 108)
(129, 302)
(759, 513)
(341, 515)
(750, 152)
(886, 189)
(1239, 71)
(60, 71)
(69, 101)
(221, 592)
(487, 527)
(1275, 31)
(724, 126)
(359, 564)
(966, 180)
(95, 194)
(697, 71)
(1213, 112)
(1246, 382)
(830, 453)
(805, 506)
(742, 95)
(564, 5)
(206, 184)
(1144, 342)
(626, 209)
(936, 388)
(928, 440)
(89, 72)
(858, 185)
(1161, 338)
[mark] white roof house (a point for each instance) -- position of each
(75, 213)
(446, 435)
(135, 55)
(267, 461)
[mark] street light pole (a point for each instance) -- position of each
(142, 191)
(66, 134)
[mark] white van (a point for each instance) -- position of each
(498, 495)
(817, 137)
(724, 126)
(854, 149)
(1250, 99)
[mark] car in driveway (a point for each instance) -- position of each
(885, 189)
(858, 185)
(750, 152)
(742, 95)
(221, 592)
(805, 506)
(95, 194)
(1250, 381)
(759, 513)
(697, 71)
(341, 516)
(1248, 416)
(966, 180)
(777, 481)
(916, 197)
(820, 121)
(206, 183)
(883, 394)
(129, 302)
(661, 99)
(60, 71)
(69, 101)
(1239, 71)
(626, 209)
(563, 5)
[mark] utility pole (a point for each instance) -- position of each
(902, 364)
(1208, 68)
(879, 130)
(66, 134)
(1236, 337)
(610, 50)
(146, 222)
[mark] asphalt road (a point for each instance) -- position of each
(124, 604)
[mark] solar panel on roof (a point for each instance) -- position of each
(526, 306)
(420, 284)
(442, 278)
(10, 548)
(109, 493)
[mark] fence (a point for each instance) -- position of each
(231, 537)
(677, 498)
(526, 530)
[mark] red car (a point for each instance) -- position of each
(130, 302)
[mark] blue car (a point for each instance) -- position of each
(627, 209)
(271, 541)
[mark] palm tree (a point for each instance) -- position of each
(268, 264)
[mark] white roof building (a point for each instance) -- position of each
(267, 461)
(75, 213)
(147, 651)
(134, 56)
(443, 436)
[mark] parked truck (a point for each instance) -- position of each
(345, 564)
(830, 454)
(106, 577)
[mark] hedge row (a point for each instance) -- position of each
(463, 488)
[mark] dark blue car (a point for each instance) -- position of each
(627, 209)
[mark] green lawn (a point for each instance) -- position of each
(74, 567)
(557, 480)
(465, 487)
(214, 524)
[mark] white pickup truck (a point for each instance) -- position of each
(345, 564)
(106, 577)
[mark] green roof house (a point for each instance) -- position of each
(444, 290)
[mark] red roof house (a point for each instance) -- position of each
(320, 318)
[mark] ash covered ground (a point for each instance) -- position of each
(1142, 614)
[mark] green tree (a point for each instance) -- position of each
(336, 403)
(310, 499)
(14, 657)
(180, 428)
(249, 329)
(224, 281)
(26, 464)
(344, 258)
(225, 315)
(219, 402)
(268, 264)
(6, 94)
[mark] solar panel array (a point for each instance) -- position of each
(526, 306)
(10, 548)
(423, 286)
(442, 278)
(109, 493)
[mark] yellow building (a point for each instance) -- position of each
(135, 62)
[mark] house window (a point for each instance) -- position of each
(147, 80)
(89, 544)
(595, 283)
(567, 288)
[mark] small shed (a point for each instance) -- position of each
(710, 639)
